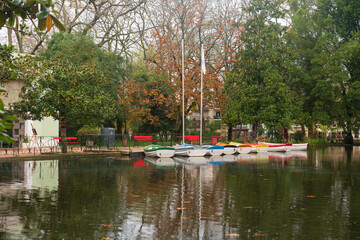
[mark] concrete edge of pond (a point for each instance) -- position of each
(57, 156)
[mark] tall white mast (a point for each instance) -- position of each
(203, 71)
(183, 90)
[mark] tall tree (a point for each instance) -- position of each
(71, 93)
(115, 68)
(258, 84)
(196, 22)
(325, 36)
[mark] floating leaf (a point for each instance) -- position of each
(108, 225)
(185, 218)
(186, 202)
(233, 235)
(310, 196)
(259, 234)
(181, 208)
(136, 195)
(247, 207)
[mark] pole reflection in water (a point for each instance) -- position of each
(301, 195)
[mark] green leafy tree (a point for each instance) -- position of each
(344, 17)
(326, 41)
(257, 86)
(115, 68)
(71, 93)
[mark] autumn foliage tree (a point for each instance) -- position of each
(196, 22)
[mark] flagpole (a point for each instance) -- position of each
(201, 92)
(183, 90)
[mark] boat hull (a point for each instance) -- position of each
(230, 150)
(160, 153)
(244, 150)
(190, 152)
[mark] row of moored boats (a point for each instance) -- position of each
(189, 150)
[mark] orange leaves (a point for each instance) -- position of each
(233, 235)
(48, 22)
(108, 225)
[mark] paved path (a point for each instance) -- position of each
(33, 152)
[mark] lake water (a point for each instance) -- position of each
(301, 195)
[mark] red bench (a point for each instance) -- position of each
(67, 138)
(191, 138)
(143, 139)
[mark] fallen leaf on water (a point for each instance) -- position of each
(181, 208)
(185, 218)
(186, 202)
(136, 195)
(302, 208)
(105, 238)
(259, 235)
(232, 235)
(247, 207)
(108, 225)
(310, 196)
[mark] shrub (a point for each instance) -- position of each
(299, 136)
(85, 130)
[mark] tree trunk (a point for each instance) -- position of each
(10, 42)
(63, 134)
(254, 130)
(179, 125)
(303, 129)
(312, 130)
(349, 138)
(230, 128)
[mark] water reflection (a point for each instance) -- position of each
(301, 195)
(160, 162)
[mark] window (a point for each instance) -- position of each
(217, 115)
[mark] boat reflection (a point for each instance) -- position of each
(164, 162)
(280, 156)
(299, 154)
(216, 160)
(229, 158)
(196, 161)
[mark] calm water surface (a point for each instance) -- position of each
(302, 195)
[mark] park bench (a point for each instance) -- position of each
(143, 139)
(67, 138)
(191, 138)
